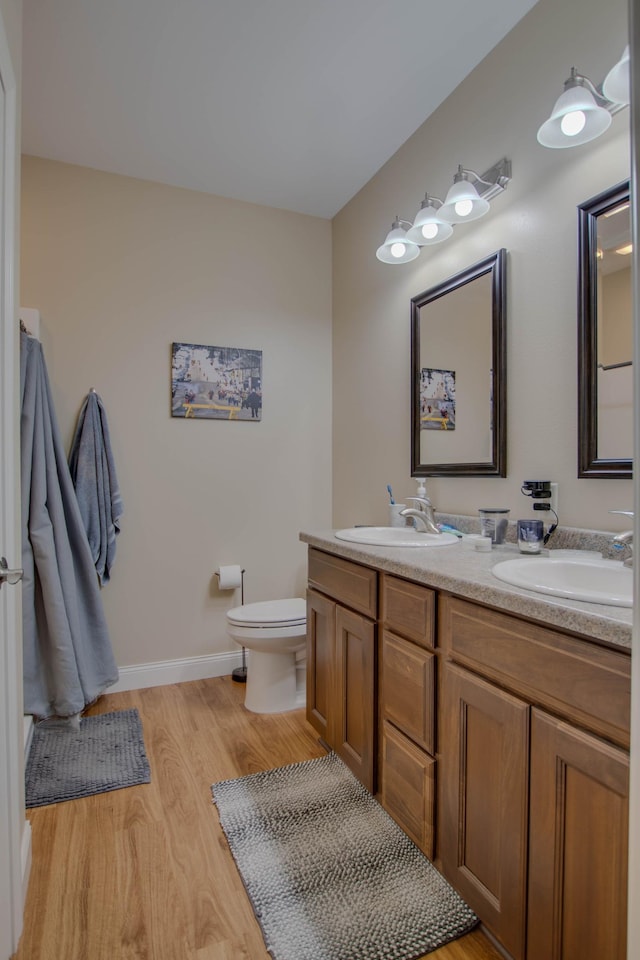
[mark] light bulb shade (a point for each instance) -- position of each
(397, 248)
(617, 84)
(463, 203)
(574, 101)
(428, 227)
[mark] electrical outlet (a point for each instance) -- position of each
(554, 497)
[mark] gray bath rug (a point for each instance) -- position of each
(105, 753)
(329, 874)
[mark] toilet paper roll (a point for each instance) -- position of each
(230, 576)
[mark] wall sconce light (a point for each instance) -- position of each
(397, 248)
(582, 112)
(428, 225)
(433, 222)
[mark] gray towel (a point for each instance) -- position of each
(94, 477)
(67, 656)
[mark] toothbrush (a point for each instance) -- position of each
(391, 500)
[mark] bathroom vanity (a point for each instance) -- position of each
(493, 726)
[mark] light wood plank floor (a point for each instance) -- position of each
(145, 873)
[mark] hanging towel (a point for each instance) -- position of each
(94, 476)
(67, 656)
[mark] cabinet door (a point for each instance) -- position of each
(578, 846)
(482, 833)
(408, 787)
(321, 653)
(354, 739)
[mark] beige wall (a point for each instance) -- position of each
(120, 268)
(494, 113)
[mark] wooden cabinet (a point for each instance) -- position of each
(533, 805)
(484, 799)
(407, 668)
(341, 660)
(355, 715)
(321, 656)
(500, 746)
(578, 850)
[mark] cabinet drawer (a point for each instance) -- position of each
(407, 690)
(409, 609)
(408, 787)
(350, 583)
(573, 678)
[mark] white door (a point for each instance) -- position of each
(14, 831)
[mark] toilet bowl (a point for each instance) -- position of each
(274, 632)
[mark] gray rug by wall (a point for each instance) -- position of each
(105, 753)
(329, 874)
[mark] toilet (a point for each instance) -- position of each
(275, 634)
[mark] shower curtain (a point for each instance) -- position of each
(68, 660)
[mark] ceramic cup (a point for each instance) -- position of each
(395, 520)
(530, 536)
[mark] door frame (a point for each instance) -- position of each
(15, 834)
(633, 924)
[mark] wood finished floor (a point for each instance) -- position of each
(145, 873)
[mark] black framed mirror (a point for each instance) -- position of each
(459, 374)
(605, 336)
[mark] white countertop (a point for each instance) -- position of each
(461, 570)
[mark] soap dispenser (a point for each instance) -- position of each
(422, 487)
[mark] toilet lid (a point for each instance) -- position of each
(272, 613)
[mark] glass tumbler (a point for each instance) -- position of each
(494, 522)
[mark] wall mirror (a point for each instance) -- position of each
(459, 374)
(605, 336)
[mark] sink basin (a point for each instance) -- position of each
(395, 537)
(595, 581)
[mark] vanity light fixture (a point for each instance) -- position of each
(617, 83)
(429, 226)
(582, 112)
(433, 221)
(616, 210)
(397, 247)
(463, 203)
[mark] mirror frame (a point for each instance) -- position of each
(589, 465)
(496, 265)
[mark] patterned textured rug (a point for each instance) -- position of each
(330, 875)
(105, 753)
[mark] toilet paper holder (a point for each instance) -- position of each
(239, 674)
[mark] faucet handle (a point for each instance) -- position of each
(421, 501)
(625, 513)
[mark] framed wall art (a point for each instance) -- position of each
(215, 383)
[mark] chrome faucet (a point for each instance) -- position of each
(625, 539)
(423, 515)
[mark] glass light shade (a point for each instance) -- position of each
(428, 227)
(397, 248)
(617, 85)
(463, 203)
(576, 118)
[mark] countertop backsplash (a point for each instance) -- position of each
(563, 538)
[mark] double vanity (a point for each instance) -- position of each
(492, 723)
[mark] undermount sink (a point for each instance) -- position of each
(594, 581)
(395, 537)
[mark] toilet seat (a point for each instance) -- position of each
(270, 614)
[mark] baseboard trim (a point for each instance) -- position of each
(161, 672)
(26, 859)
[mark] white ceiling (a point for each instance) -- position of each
(288, 103)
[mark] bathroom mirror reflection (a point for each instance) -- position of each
(605, 340)
(458, 360)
